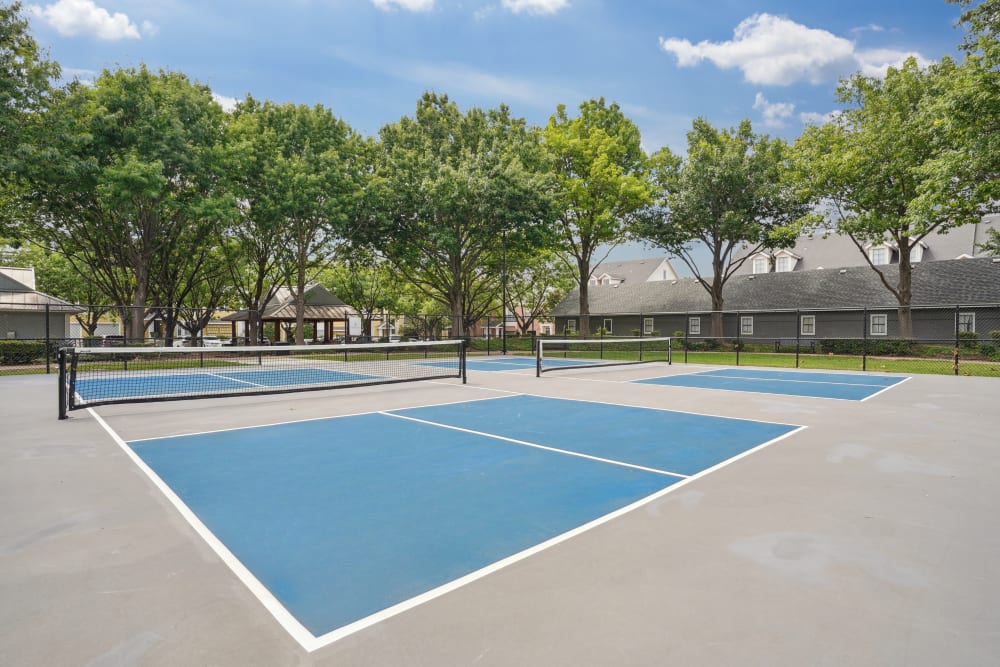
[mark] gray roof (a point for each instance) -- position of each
(950, 282)
(831, 250)
(630, 271)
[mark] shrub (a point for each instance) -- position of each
(995, 336)
(14, 352)
(968, 340)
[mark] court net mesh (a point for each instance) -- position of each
(99, 376)
(564, 354)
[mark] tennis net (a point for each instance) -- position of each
(564, 354)
(99, 376)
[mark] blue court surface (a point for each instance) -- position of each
(95, 389)
(845, 386)
(345, 517)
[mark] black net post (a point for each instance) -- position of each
(62, 384)
(864, 344)
(48, 340)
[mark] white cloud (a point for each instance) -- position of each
(776, 51)
(535, 6)
(227, 103)
(813, 118)
(408, 5)
(775, 114)
(149, 28)
(83, 17)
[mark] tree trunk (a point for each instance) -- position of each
(717, 304)
(905, 291)
(584, 267)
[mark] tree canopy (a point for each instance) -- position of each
(601, 184)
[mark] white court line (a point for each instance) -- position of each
(316, 419)
(647, 407)
(310, 642)
(777, 379)
(271, 603)
(535, 445)
(226, 377)
(891, 386)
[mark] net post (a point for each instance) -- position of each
(62, 383)
(538, 358)
(670, 351)
(463, 355)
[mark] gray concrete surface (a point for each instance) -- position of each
(869, 538)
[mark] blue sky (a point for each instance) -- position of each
(665, 62)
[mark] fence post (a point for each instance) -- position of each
(739, 334)
(958, 310)
(798, 336)
(864, 344)
(48, 341)
(62, 383)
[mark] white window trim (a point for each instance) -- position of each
(755, 264)
(744, 321)
(880, 248)
(694, 326)
(802, 325)
(972, 321)
(607, 325)
(571, 325)
(647, 325)
(885, 324)
(787, 261)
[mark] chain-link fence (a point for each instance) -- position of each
(954, 340)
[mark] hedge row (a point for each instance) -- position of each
(16, 352)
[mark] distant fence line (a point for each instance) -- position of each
(957, 339)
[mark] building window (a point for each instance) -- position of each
(570, 326)
(694, 326)
(607, 326)
(879, 255)
(782, 264)
(879, 324)
(760, 264)
(664, 274)
(966, 322)
(916, 253)
(647, 325)
(746, 325)
(808, 325)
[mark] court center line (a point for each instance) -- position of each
(776, 379)
(537, 446)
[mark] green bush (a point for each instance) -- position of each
(990, 350)
(13, 352)
(968, 340)
(995, 336)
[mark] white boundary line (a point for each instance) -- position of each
(311, 642)
(718, 374)
(891, 386)
(271, 603)
(646, 407)
(535, 445)
(316, 419)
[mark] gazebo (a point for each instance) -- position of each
(322, 310)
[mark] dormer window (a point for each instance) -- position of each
(917, 252)
(760, 264)
(785, 261)
(879, 255)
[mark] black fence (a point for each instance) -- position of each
(956, 339)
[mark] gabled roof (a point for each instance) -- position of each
(18, 294)
(962, 281)
(631, 271)
(824, 250)
(321, 304)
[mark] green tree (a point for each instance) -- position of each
(312, 186)
(600, 184)
(127, 167)
(365, 281)
(448, 188)
(25, 81)
(991, 246)
(536, 283)
(887, 171)
(728, 197)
